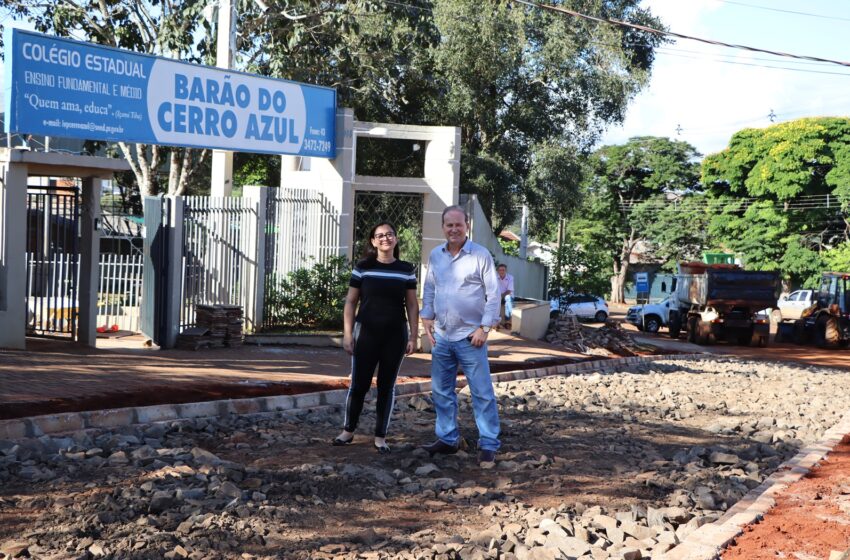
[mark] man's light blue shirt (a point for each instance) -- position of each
(461, 292)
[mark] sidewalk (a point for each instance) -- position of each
(55, 376)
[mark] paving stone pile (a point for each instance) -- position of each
(622, 465)
(609, 339)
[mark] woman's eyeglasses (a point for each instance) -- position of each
(388, 235)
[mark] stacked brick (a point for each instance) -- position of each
(217, 326)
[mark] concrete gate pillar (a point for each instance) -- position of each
(89, 261)
(442, 174)
(13, 258)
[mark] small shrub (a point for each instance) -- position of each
(310, 297)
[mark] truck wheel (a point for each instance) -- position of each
(652, 324)
(692, 330)
(675, 326)
(800, 332)
(703, 334)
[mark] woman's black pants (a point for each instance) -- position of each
(383, 349)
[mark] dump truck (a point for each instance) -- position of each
(715, 302)
(827, 322)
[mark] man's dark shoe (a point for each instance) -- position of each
(486, 456)
(441, 447)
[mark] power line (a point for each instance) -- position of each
(785, 11)
(822, 202)
(758, 65)
(652, 30)
(733, 56)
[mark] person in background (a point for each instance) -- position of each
(460, 304)
(382, 332)
(506, 287)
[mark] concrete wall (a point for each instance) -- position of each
(529, 277)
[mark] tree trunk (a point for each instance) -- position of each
(616, 288)
(621, 269)
(618, 282)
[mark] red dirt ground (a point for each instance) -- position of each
(811, 517)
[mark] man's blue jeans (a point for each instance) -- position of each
(445, 358)
(509, 306)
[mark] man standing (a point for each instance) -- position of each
(460, 304)
(506, 288)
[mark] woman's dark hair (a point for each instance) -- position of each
(370, 253)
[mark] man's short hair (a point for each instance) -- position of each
(454, 208)
(502, 265)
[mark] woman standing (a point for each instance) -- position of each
(380, 334)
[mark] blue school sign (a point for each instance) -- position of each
(60, 87)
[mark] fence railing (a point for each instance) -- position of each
(118, 300)
(120, 292)
(219, 253)
(302, 228)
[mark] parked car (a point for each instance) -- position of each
(792, 305)
(583, 306)
(651, 317)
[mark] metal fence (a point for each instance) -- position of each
(219, 248)
(302, 228)
(120, 292)
(118, 299)
(403, 210)
(52, 269)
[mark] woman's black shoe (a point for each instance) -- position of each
(382, 449)
(338, 442)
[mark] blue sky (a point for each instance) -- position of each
(708, 100)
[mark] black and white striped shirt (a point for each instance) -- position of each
(383, 288)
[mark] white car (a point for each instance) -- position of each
(650, 317)
(792, 305)
(583, 306)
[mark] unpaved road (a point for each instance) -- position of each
(595, 466)
(782, 352)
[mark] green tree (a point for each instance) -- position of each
(581, 269)
(173, 30)
(837, 259)
(530, 89)
(770, 189)
(626, 182)
(674, 230)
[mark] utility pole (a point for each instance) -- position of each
(559, 253)
(523, 239)
(222, 161)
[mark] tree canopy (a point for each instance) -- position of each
(782, 195)
(626, 187)
(531, 90)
